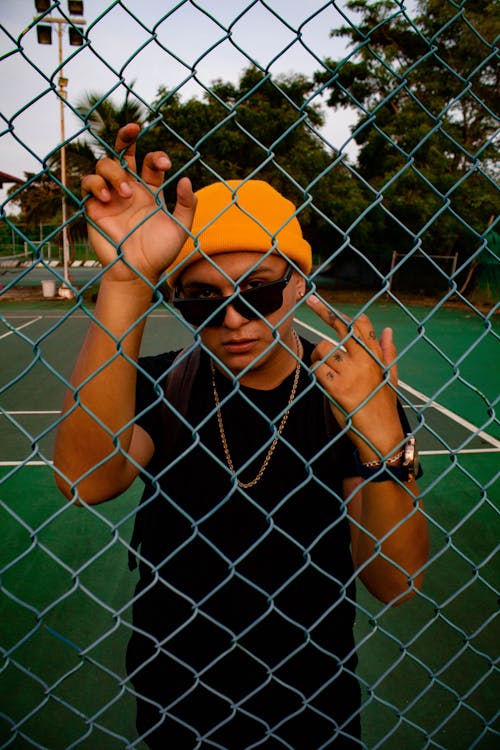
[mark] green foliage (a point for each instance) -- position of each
(103, 117)
(236, 129)
(262, 127)
(426, 90)
(40, 200)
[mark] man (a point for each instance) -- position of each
(262, 495)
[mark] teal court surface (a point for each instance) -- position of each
(427, 668)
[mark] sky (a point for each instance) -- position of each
(151, 43)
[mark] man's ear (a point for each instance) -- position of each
(300, 285)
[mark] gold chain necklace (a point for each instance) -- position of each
(281, 427)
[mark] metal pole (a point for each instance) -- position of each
(62, 93)
(65, 290)
(393, 263)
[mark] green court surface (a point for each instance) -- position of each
(427, 667)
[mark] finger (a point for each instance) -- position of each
(389, 354)
(154, 166)
(186, 203)
(365, 332)
(322, 310)
(341, 324)
(331, 381)
(331, 356)
(352, 335)
(115, 175)
(93, 184)
(125, 144)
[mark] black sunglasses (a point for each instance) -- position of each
(252, 304)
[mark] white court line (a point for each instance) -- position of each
(445, 452)
(30, 322)
(424, 399)
(75, 316)
(476, 451)
(26, 463)
(36, 413)
(428, 402)
(452, 415)
(54, 316)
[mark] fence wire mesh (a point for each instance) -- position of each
(400, 211)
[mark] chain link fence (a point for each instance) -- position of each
(401, 211)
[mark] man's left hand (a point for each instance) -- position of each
(360, 374)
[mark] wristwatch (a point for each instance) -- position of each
(405, 470)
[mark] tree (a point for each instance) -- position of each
(103, 117)
(40, 199)
(426, 91)
(264, 128)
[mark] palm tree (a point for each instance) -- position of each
(103, 117)
(40, 199)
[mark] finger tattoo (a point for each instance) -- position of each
(338, 357)
(330, 375)
(372, 334)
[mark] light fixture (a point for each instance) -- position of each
(75, 7)
(42, 6)
(75, 37)
(44, 34)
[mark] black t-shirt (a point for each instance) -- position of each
(248, 593)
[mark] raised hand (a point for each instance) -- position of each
(359, 376)
(131, 217)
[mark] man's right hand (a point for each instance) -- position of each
(132, 217)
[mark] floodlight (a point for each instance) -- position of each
(75, 37)
(75, 7)
(44, 34)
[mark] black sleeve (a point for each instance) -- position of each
(151, 375)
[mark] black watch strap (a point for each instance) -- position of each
(382, 472)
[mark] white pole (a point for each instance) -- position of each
(62, 93)
(393, 263)
(64, 290)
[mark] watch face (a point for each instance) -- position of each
(411, 459)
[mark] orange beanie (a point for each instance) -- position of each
(242, 216)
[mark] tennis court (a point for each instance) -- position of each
(428, 667)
